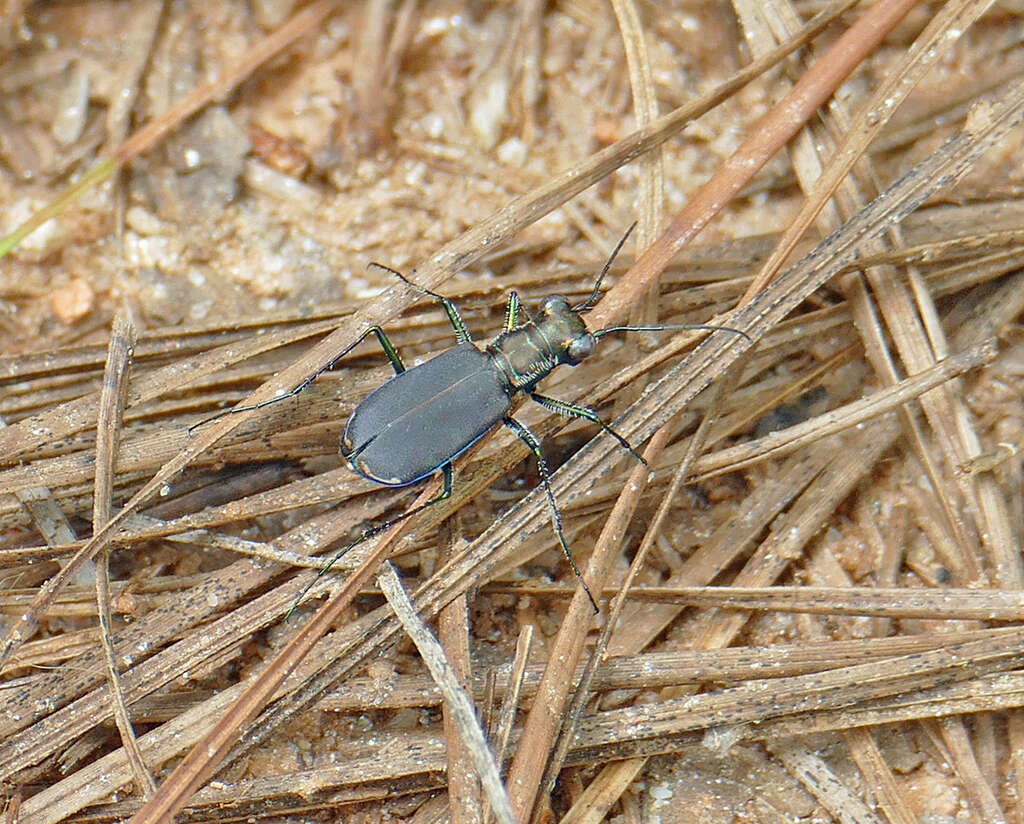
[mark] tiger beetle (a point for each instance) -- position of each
(423, 418)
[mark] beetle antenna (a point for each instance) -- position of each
(672, 326)
(588, 304)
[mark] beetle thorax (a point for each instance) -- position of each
(528, 353)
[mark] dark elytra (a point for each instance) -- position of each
(422, 418)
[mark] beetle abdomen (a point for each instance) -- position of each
(424, 417)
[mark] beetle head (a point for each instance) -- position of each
(562, 325)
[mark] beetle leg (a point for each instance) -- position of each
(512, 311)
(366, 534)
(571, 410)
(533, 442)
(385, 343)
(462, 333)
(387, 346)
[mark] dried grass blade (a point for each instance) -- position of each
(822, 783)
(849, 415)
(513, 693)
(932, 604)
(108, 431)
(453, 629)
(456, 699)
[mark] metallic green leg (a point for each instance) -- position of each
(450, 309)
(512, 311)
(533, 442)
(571, 410)
(385, 343)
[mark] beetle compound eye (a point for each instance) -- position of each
(581, 348)
(555, 305)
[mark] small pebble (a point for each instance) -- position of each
(73, 302)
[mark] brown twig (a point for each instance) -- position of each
(457, 702)
(464, 799)
(108, 430)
